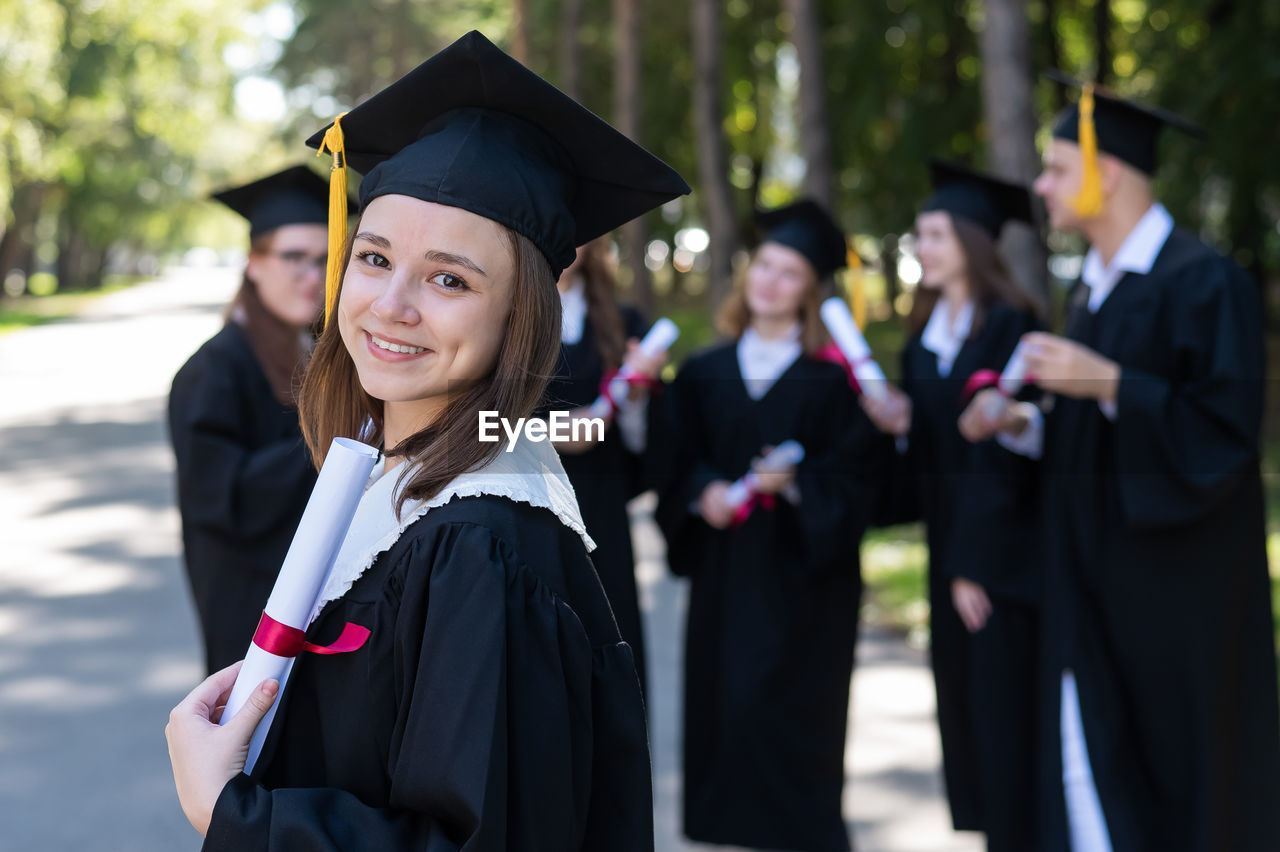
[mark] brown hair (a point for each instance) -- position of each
(275, 343)
(990, 280)
(734, 314)
(333, 404)
(598, 284)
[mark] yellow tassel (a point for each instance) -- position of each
(857, 289)
(1088, 203)
(334, 144)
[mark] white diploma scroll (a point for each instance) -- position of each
(1012, 378)
(659, 339)
(844, 331)
(315, 545)
(785, 455)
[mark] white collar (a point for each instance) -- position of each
(531, 473)
(1137, 253)
(945, 338)
(573, 312)
(762, 362)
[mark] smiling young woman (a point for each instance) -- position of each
(493, 705)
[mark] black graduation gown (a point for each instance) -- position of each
(493, 706)
(604, 479)
(244, 477)
(773, 606)
(975, 501)
(1157, 594)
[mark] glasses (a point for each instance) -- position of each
(300, 260)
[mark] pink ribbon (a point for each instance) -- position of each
(284, 641)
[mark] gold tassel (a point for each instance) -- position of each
(1088, 202)
(857, 288)
(334, 144)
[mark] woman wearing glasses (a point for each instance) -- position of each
(244, 473)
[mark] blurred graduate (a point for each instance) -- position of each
(977, 502)
(244, 472)
(493, 705)
(774, 582)
(1160, 720)
(597, 337)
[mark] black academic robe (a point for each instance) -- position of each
(978, 506)
(1157, 594)
(493, 707)
(604, 479)
(773, 605)
(244, 476)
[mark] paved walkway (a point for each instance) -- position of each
(98, 639)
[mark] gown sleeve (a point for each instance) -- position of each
(492, 745)
(1184, 440)
(224, 483)
(897, 501)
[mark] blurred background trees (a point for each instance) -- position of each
(117, 118)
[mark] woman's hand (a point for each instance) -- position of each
(771, 482)
(891, 415)
(642, 365)
(713, 505)
(991, 412)
(971, 602)
(204, 756)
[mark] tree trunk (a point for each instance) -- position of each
(627, 108)
(713, 161)
(1102, 39)
(18, 242)
(815, 128)
(889, 263)
(571, 48)
(1008, 107)
(520, 31)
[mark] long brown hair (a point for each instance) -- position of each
(333, 404)
(734, 315)
(275, 343)
(990, 281)
(599, 284)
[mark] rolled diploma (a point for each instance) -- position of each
(1011, 381)
(844, 331)
(784, 455)
(315, 545)
(659, 339)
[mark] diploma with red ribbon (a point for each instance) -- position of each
(281, 633)
(1008, 381)
(618, 383)
(853, 346)
(743, 496)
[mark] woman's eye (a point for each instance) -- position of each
(374, 259)
(448, 282)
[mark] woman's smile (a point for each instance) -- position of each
(391, 350)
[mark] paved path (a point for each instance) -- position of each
(98, 639)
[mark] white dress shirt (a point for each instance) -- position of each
(762, 361)
(945, 337)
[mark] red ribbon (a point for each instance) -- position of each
(764, 501)
(986, 379)
(285, 641)
(637, 379)
(832, 353)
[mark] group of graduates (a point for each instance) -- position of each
(1101, 627)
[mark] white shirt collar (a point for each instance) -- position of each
(944, 338)
(531, 473)
(762, 361)
(1137, 254)
(573, 312)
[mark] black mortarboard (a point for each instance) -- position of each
(295, 196)
(473, 128)
(1125, 129)
(985, 200)
(809, 229)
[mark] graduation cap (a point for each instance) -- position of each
(985, 200)
(473, 128)
(1125, 129)
(809, 229)
(295, 196)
